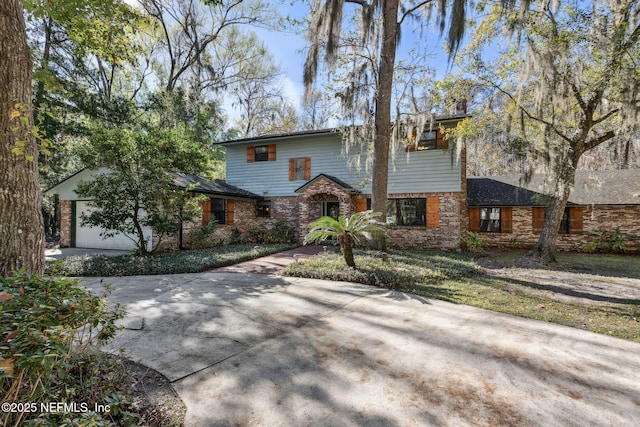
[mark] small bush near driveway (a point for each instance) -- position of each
(165, 263)
(400, 270)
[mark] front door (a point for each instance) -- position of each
(331, 208)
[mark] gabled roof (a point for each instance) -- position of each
(607, 187)
(491, 192)
(338, 182)
(328, 131)
(217, 187)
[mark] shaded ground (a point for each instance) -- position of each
(566, 284)
(245, 349)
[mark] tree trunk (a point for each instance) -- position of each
(346, 245)
(21, 226)
(383, 114)
(545, 249)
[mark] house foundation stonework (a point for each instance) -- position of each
(595, 219)
(445, 235)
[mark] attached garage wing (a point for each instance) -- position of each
(90, 237)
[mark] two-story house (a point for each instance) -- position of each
(305, 175)
(301, 176)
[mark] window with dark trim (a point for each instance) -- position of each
(218, 210)
(300, 169)
(571, 222)
(407, 212)
(428, 140)
(261, 153)
(490, 220)
(263, 209)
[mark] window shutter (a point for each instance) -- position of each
(575, 219)
(474, 219)
(272, 152)
(506, 220)
(230, 211)
(433, 212)
(251, 154)
(307, 168)
(441, 142)
(537, 218)
(292, 169)
(361, 204)
(206, 212)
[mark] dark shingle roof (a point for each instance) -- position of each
(218, 187)
(610, 187)
(338, 182)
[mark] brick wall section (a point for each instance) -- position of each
(310, 202)
(65, 223)
(595, 218)
(445, 236)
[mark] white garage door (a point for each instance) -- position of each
(89, 237)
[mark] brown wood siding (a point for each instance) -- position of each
(231, 204)
(575, 219)
(361, 204)
(292, 169)
(506, 220)
(307, 168)
(251, 154)
(537, 218)
(433, 212)
(272, 152)
(441, 142)
(206, 212)
(474, 219)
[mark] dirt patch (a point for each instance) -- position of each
(568, 286)
(159, 403)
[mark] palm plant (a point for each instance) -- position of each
(348, 230)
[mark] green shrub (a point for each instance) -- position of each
(402, 270)
(199, 236)
(472, 242)
(281, 232)
(47, 351)
(606, 241)
(193, 261)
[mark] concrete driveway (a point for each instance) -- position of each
(246, 349)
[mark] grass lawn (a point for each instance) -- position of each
(163, 263)
(457, 278)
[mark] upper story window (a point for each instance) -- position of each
(428, 140)
(433, 139)
(300, 169)
(261, 153)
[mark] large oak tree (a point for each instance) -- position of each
(21, 229)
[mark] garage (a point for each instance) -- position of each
(89, 237)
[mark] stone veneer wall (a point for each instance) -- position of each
(598, 217)
(445, 236)
(65, 223)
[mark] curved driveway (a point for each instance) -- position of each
(248, 349)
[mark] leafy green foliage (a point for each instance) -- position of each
(281, 232)
(402, 270)
(349, 231)
(193, 261)
(49, 327)
(606, 241)
(472, 242)
(138, 190)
